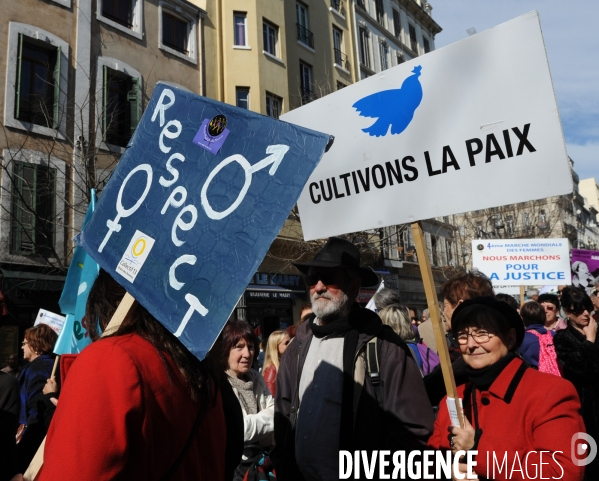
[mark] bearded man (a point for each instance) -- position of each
(329, 398)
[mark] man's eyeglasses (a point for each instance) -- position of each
(327, 278)
(479, 336)
(549, 308)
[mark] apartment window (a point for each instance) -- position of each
(270, 33)
(365, 47)
(242, 97)
(273, 105)
(380, 11)
(340, 57)
(426, 44)
(122, 106)
(38, 83)
(306, 82)
(304, 34)
(239, 28)
(526, 220)
(396, 23)
(400, 58)
(178, 30)
(384, 51)
(413, 42)
(124, 15)
(174, 32)
(340, 85)
(120, 11)
(33, 209)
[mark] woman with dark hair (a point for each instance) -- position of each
(456, 290)
(578, 355)
(136, 404)
(537, 339)
(37, 349)
(234, 352)
(510, 409)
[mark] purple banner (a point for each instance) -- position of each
(585, 268)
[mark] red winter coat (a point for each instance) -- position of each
(542, 415)
(120, 417)
(270, 376)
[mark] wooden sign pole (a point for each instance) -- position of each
(127, 303)
(435, 318)
(56, 359)
(521, 296)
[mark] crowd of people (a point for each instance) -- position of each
(137, 405)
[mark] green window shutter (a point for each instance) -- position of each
(18, 86)
(56, 120)
(24, 207)
(134, 99)
(105, 103)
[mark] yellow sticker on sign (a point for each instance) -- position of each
(135, 255)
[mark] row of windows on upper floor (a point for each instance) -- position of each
(270, 36)
(177, 23)
(37, 86)
(381, 18)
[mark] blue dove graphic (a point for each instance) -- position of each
(394, 108)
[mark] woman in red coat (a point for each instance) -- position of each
(519, 420)
(135, 405)
(275, 347)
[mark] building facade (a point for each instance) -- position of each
(390, 32)
(567, 216)
(246, 54)
(78, 75)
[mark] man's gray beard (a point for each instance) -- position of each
(333, 308)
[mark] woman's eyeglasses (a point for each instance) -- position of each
(479, 336)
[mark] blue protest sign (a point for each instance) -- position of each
(193, 206)
(82, 272)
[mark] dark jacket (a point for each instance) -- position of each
(404, 423)
(579, 360)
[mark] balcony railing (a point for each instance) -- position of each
(305, 36)
(341, 59)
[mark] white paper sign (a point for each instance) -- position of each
(461, 128)
(523, 262)
(453, 411)
(55, 321)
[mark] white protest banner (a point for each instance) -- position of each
(461, 128)
(55, 321)
(523, 262)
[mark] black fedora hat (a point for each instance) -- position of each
(338, 252)
(507, 312)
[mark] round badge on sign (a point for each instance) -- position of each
(139, 247)
(217, 125)
(480, 247)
